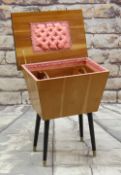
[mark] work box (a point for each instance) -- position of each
(51, 51)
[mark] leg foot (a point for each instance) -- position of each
(81, 139)
(94, 153)
(44, 163)
(34, 149)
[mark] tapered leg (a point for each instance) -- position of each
(36, 133)
(92, 133)
(81, 126)
(45, 145)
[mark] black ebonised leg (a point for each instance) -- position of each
(36, 133)
(45, 145)
(81, 126)
(92, 133)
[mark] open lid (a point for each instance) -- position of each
(26, 22)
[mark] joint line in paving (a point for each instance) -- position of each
(11, 123)
(113, 110)
(105, 129)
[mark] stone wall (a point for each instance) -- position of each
(103, 32)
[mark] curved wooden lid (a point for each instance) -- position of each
(22, 36)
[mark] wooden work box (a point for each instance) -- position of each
(61, 81)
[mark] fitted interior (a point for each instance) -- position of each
(67, 71)
(63, 68)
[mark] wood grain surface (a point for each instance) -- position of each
(22, 36)
(61, 91)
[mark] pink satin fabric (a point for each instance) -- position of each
(50, 36)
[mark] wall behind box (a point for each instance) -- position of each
(103, 32)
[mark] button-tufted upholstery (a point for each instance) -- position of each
(50, 36)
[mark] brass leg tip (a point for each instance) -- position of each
(44, 163)
(94, 153)
(34, 149)
(81, 139)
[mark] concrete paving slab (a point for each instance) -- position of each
(113, 127)
(73, 158)
(77, 170)
(21, 142)
(66, 129)
(107, 158)
(113, 107)
(69, 146)
(106, 170)
(24, 170)
(106, 113)
(17, 161)
(66, 154)
(16, 143)
(10, 114)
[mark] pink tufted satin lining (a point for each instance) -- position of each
(50, 36)
(64, 64)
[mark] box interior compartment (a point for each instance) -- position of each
(62, 72)
(63, 68)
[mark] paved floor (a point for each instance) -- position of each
(67, 155)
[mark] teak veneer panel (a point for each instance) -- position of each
(22, 35)
(67, 95)
(60, 94)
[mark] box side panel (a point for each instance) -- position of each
(75, 95)
(83, 94)
(50, 93)
(71, 95)
(33, 92)
(95, 92)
